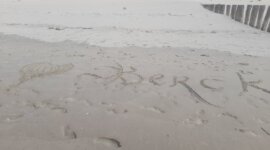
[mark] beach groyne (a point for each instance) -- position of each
(257, 16)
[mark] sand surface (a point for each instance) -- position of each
(129, 23)
(130, 75)
(69, 96)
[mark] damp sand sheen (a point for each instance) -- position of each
(91, 91)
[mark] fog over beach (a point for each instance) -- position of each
(131, 75)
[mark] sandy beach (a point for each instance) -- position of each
(198, 82)
(156, 98)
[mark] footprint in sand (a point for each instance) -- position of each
(107, 104)
(246, 131)
(68, 132)
(246, 72)
(112, 108)
(154, 109)
(11, 118)
(59, 109)
(204, 55)
(197, 119)
(243, 64)
(117, 111)
(262, 120)
(109, 142)
(47, 104)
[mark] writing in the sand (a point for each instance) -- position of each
(130, 76)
